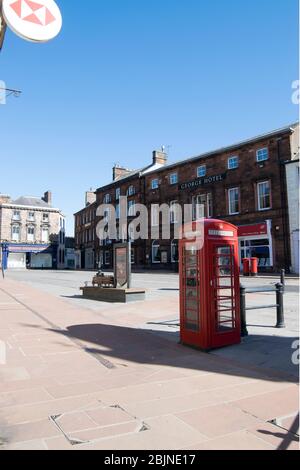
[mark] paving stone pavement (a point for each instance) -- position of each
(80, 378)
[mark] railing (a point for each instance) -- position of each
(278, 288)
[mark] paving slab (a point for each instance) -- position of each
(82, 377)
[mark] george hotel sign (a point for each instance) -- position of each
(199, 182)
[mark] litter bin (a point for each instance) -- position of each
(254, 267)
(246, 267)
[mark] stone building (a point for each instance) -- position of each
(32, 233)
(245, 184)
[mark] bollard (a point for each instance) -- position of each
(244, 331)
(280, 309)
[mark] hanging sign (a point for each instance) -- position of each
(36, 21)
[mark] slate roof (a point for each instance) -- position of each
(31, 202)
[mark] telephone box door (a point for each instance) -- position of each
(190, 294)
(224, 299)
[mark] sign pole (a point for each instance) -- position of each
(129, 266)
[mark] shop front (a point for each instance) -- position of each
(255, 241)
(29, 256)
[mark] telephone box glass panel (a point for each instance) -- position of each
(191, 288)
(224, 289)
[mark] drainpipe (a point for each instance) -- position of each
(284, 210)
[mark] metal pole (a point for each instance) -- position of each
(280, 308)
(282, 278)
(129, 266)
(244, 331)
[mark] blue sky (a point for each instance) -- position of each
(126, 76)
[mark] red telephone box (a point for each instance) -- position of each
(209, 285)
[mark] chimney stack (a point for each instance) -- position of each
(119, 172)
(90, 197)
(159, 158)
(48, 197)
(4, 199)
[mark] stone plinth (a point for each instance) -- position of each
(113, 295)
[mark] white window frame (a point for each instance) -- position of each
(31, 216)
(131, 208)
(230, 191)
(131, 191)
(173, 212)
(155, 215)
(16, 215)
(201, 171)
(258, 196)
(155, 184)
(45, 217)
(232, 159)
(18, 238)
(262, 151)
(45, 229)
(107, 199)
(31, 237)
(173, 178)
(118, 193)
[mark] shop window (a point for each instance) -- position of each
(156, 253)
(264, 195)
(257, 248)
(174, 251)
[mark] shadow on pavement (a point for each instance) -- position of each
(145, 347)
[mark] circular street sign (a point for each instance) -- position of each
(36, 21)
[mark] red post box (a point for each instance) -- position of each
(246, 267)
(254, 266)
(209, 285)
